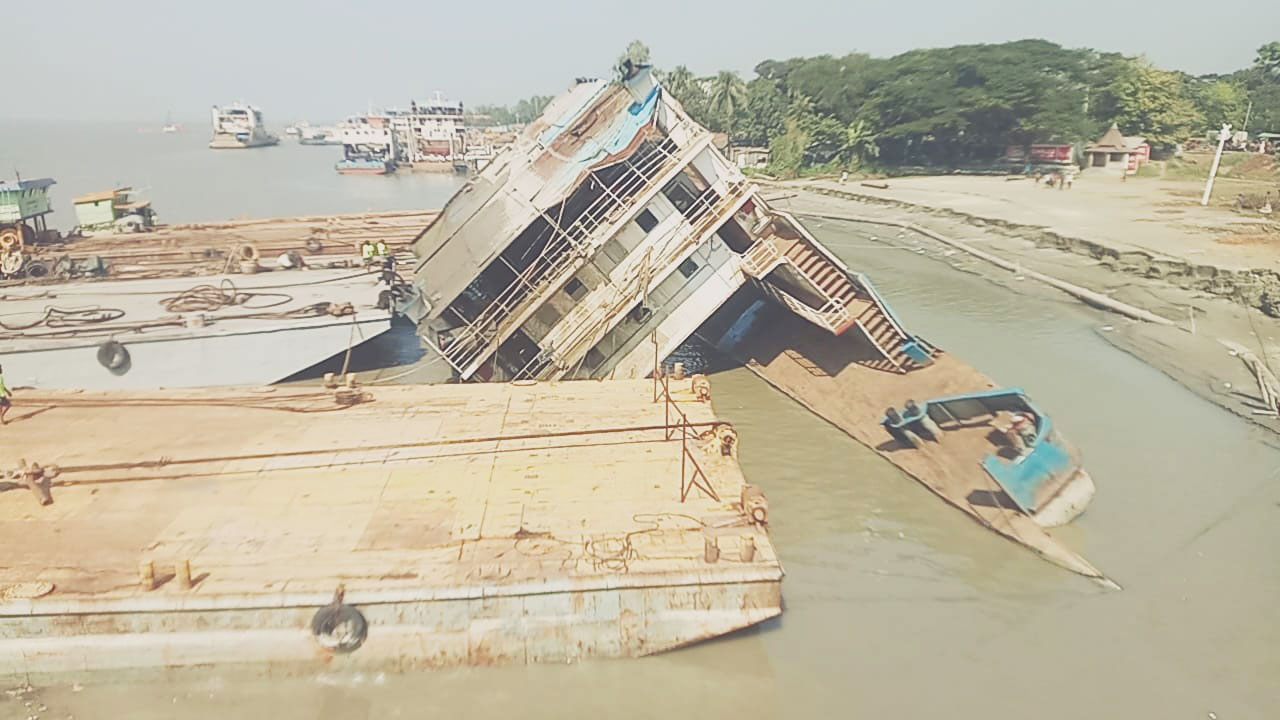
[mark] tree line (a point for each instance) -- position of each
(965, 104)
(522, 112)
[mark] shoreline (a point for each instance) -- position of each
(1198, 362)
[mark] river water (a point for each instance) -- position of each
(898, 606)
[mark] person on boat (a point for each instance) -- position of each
(5, 394)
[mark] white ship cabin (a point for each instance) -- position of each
(236, 119)
(432, 130)
(370, 136)
(605, 236)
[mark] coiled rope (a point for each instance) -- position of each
(207, 298)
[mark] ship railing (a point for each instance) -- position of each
(676, 422)
(879, 305)
(474, 341)
(833, 316)
(761, 258)
(708, 210)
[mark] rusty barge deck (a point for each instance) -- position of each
(468, 524)
(195, 249)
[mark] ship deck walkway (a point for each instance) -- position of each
(840, 380)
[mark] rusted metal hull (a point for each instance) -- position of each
(537, 626)
(467, 524)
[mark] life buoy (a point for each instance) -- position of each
(314, 246)
(339, 628)
(248, 252)
(10, 238)
(113, 356)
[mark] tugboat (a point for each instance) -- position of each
(239, 126)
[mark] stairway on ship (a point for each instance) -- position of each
(861, 306)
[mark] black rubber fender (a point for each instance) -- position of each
(339, 628)
(37, 269)
(114, 356)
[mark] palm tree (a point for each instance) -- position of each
(726, 96)
(681, 83)
(859, 143)
(800, 107)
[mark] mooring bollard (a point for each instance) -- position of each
(748, 548)
(677, 371)
(711, 550)
(182, 572)
(147, 575)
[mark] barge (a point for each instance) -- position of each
(304, 528)
(612, 230)
(240, 302)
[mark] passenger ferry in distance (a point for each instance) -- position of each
(239, 126)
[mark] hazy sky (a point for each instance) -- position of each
(138, 60)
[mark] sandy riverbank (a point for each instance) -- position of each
(1116, 261)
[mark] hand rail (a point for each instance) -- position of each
(762, 257)
(706, 209)
(688, 480)
(472, 341)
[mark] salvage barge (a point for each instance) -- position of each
(612, 231)
(241, 302)
(392, 528)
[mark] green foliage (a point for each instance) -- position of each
(766, 114)
(522, 112)
(636, 54)
(965, 104)
(859, 144)
(1152, 102)
(787, 151)
(1268, 59)
(1220, 101)
(726, 100)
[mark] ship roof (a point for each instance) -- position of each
(36, 184)
(99, 196)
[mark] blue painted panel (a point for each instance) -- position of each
(553, 131)
(917, 352)
(1022, 478)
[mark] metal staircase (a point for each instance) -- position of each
(850, 300)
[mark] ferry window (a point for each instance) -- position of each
(646, 221)
(640, 314)
(688, 267)
(575, 289)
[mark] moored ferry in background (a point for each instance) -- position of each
(239, 126)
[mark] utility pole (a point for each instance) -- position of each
(1223, 136)
(1247, 113)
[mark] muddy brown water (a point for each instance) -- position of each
(897, 605)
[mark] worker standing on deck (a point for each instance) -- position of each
(366, 251)
(380, 249)
(4, 399)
